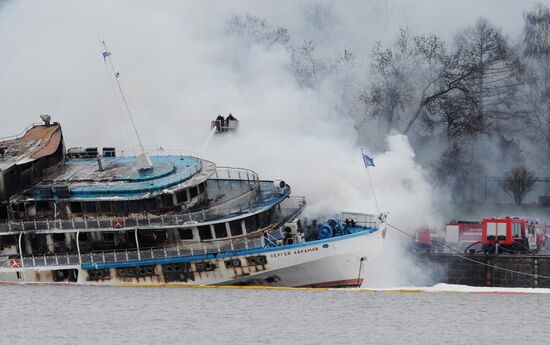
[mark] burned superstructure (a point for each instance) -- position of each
(27, 159)
(96, 216)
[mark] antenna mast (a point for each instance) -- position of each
(143, 161)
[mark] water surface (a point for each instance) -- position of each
(121, 315)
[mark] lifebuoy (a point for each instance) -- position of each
(117, 223)
(15, 263)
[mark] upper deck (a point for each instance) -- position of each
(82, 179)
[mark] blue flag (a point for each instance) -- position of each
(369, 162)
(105, 55)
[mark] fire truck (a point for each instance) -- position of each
(512, 235)
(428, 240)
(463, 235)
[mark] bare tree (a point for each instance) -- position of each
(444, 75)
(518, 182)
(391, 90)
(308, 68)
(536, 54)
(257, 30)
(411, 80)
(536, 32)
(497, 76)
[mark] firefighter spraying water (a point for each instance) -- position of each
(224, 125)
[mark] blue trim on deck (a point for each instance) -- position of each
(222, 255)
(167, 171)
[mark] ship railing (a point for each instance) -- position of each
(159, 151)
(267, 239)
(237, 204)
(143, 221)
(237, 174)
(362, 219)
(20, 135)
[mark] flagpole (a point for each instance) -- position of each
(373, 192)
(370, 181)
(107, 55)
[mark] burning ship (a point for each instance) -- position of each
(97, 217)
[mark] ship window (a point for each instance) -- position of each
(274, 215)
(134, 206)
(119, 207)
(181, 196)
(193, 192)
(8, 240)
(264, 219)
(84, 237)
(251, 224)
(167, 200)
(109, 236)
(150, 204)
(76, 207)
(236, 228)
(42, 206)
(186, 234)
(205, 233)
(105, 207)
(220, 230)
(201, 187)
(57, 237)
(159, 235)
(90, 207)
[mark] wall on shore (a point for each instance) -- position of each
(467, 270)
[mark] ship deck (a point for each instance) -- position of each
(120, 178)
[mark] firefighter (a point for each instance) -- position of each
(219, 123)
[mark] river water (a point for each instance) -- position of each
(125, 315)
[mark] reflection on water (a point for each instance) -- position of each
(108, 315)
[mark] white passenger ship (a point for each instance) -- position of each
(95, 217)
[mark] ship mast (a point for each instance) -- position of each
(143, 161)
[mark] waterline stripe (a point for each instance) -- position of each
(283, 288)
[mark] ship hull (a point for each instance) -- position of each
(334, 262)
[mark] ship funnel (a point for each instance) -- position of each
(99, 163)
(143, 162)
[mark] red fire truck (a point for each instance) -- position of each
(511, 235)
(463, 235)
